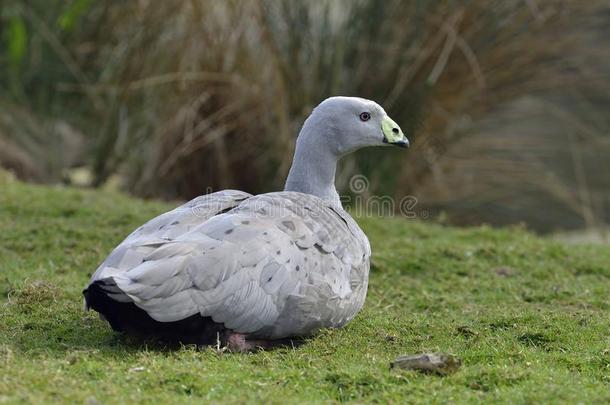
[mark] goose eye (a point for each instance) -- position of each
(365, 116)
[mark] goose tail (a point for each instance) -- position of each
(114, 306)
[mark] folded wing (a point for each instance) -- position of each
(274, 265)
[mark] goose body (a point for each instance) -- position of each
(245, 267)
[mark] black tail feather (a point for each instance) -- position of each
(127, 317)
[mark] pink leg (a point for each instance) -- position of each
(237, 342)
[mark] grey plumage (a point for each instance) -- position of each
(270, 266)
(276, 265)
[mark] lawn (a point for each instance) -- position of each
(529, 318)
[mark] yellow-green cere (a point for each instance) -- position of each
(391, 131)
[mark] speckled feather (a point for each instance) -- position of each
(271, 266)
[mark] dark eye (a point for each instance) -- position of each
(365, 116)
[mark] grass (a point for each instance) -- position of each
(528, 317)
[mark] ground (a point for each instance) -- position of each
(527, 316)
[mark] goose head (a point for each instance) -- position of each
(346, 124)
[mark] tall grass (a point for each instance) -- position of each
(183, 96)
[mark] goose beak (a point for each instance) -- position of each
(392, 134)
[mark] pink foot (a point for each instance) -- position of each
(236, 342)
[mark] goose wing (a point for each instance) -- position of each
(165, 228)
(274, 265)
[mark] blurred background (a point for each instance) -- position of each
(506, 102)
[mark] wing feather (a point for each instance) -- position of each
(273, 265)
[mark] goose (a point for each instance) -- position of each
(248, 271)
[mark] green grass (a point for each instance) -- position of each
(538, 333)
